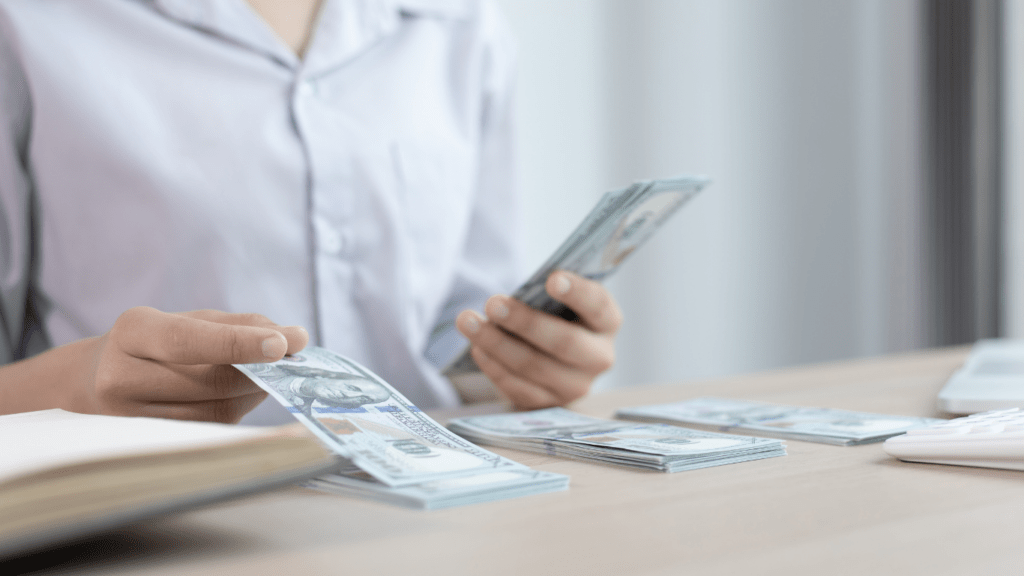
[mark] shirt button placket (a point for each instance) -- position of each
(329, 213)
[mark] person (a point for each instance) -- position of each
(176, 173)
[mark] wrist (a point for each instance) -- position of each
(57, 378)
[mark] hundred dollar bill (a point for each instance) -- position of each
(362, 418)
(613, 230)
(824, 425)
(560, 432)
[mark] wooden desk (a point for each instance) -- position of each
(821, 510)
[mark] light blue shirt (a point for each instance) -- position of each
(177, 154)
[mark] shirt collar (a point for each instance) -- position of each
(456, 9)
(353, 25)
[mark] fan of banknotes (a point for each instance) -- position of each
(560, 432)
(824, 425)
(392, 450)
(619, 224)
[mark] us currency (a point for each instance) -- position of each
(824, 425)
(362, 418)
(447, 492)
(613, 230)
(560, 432)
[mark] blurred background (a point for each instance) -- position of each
(865, 198)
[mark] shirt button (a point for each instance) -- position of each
(307, 88)
(331, 241)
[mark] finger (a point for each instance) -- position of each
(568, 342)
(521, 393)
(149, 333)
(297, 336)
(227, 411)
(143, 380)
(590, 300)
(529, 364)
(134, 380)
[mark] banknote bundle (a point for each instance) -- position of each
(619, 224)
(446, 492)
(560, 432)
(397, 453)
(824, 425)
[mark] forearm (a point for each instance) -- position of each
(51, 379)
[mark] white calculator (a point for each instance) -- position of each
(990, 439)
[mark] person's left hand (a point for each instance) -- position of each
(537, 359)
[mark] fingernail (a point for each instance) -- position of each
(497, 309)
(275, 347)
(471, 324)
(562, 284)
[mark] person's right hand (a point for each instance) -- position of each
(164, 365)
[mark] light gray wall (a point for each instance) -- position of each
(805, 114)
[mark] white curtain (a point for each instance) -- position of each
(806, 114)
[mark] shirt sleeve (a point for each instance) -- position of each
(16, 226)
(490, 262)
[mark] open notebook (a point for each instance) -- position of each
(65, 475)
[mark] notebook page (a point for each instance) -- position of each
(36, 441)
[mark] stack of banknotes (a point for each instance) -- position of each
(619, 224)
(445, 492)
(560, 432)
(392, 451)
(824, 425)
